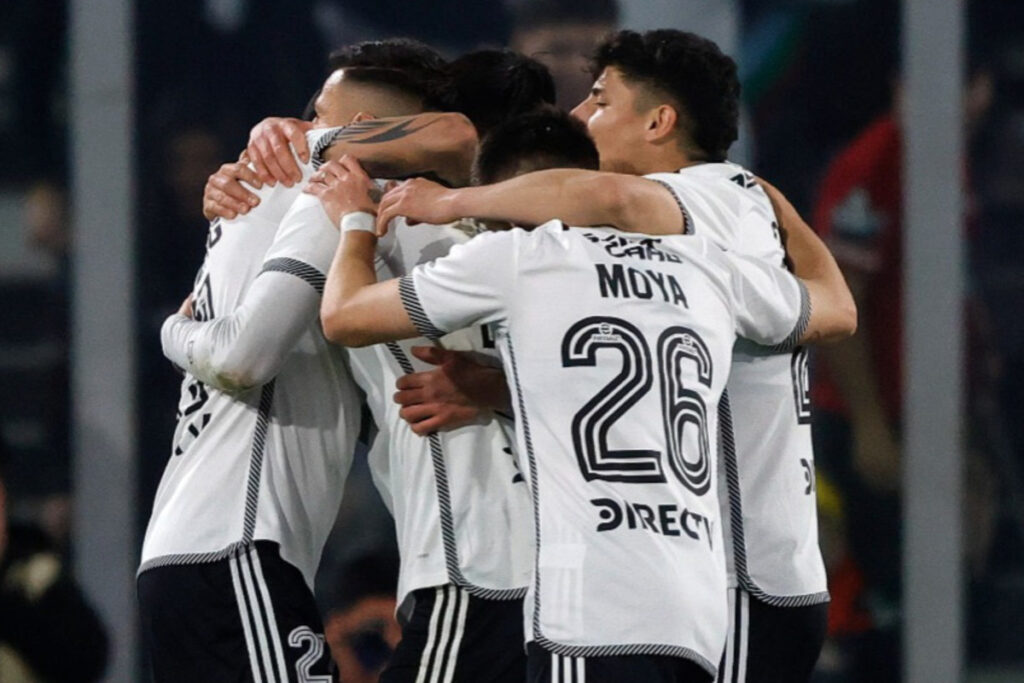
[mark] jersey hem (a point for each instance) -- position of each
(625, 650)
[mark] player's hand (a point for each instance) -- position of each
(225, 196)
(419, 200)
(270, 149)
(452, 395)
(186, 307)
(344, 187)
(876, 454)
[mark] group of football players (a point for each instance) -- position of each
(581, 340)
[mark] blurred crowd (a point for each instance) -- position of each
(821, 87)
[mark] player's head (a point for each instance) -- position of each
(563, 34)
(357, 93)
(547, 138)
(489, 86)
(423, 65)
(658, 95)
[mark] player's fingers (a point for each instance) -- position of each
(416, 413)
(430, 354)
(386, 210)
(228, 180)
(226, 203)
(352, 165)
(297, 137)
(409, 397)
(212, 210)
(281, 163)
(247, 175)
(411, 381)
(259, 150)
(428, 426)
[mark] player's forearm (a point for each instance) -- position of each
(577, 197)
(813, 262)
(356, 309)
(246, 348)
(439, 143)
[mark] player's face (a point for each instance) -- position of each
(337, 104)
(614, 120)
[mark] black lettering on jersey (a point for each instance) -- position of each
(202, 300)
(517, 478)
(800, 373)
(638, 247)
(486, 337)
(192, 412)
(616, 281)
(214, 234)
(665, 520)
(811, 483)
(745, 180)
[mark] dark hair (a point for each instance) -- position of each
(548, 138)
(423, 65)
(489, 86)
(691, 70)
(533, 14)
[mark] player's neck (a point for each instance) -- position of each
(665, 159)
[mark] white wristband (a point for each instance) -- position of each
(359, 220)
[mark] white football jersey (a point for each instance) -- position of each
(772, 520)
(264, 463)
(617, 348)
(461, 509)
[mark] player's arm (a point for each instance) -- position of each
(814, 264)
(575, 196)
(775, 309)
(356, 309)
(246, 347)
(455, 393)
(436, 143)
(459, 290)
(439, 143)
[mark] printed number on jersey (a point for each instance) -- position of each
(680, 351)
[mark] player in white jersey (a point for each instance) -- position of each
(262, 448)
(462, 520)
(629, 582)
(664, 104)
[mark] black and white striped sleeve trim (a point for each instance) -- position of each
(411, 301)
(299, 269)
(793, 340)
(687, 221)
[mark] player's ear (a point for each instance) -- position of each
(661, 122)
(362, 116)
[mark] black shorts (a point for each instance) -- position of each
(769, 644)
(454, 637)
(547, 667)
(249, 618)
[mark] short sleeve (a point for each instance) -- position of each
(305, 243)
(469, 286)
(771, 306)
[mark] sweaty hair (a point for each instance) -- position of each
(489, 86)
(423, 66)
(689, 69)
(548, 138)
(533, 14)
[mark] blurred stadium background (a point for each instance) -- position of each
(897, 128)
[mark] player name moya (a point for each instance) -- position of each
(666, 519)
(616, 281)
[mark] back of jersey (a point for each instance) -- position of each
(265, 462)
(617, 350)
(461, 514)
(771, 514)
